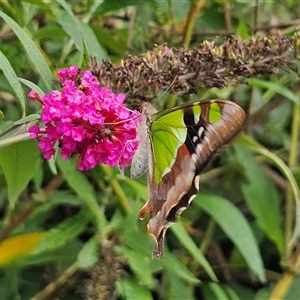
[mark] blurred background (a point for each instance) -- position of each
(67, 234)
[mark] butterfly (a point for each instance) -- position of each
(175, 146)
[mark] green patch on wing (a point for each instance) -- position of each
(215, 114)
(197, 112)
(172, 117)
(168, 133)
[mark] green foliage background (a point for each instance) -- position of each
(74, 235)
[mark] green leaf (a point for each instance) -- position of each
(49, 32)
(18, 247)
(139, 263)
(63, 256)
(79, 183)
(278, 162)
(131, 290)
(280, 89)
(236, 227)
(32, 51)
(19, 162)
(294, 291)
(1, 116)
(75, 179)
(173, 265)
(242, 29)
(30, 118)
(110, 41)
(233, 295)
(140, 189)
(89, 254)
(265, 293)
(253, 145)
(109, 6)
(64, 197)
(263, 200)
(214, 291)
(189, 244)
(133, 236)
(81, 32)
(177, 289)
(32, 86)
(64, 232)
(92, 45)
(240, 292)
(13, 80)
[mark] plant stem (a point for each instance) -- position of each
(117, 189)
(282, 287)
(208, 236)
(61, 285)
(191, 18)
(290, 206)
(284, 284)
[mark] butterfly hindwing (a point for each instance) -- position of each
(164, 197)
(180, 142)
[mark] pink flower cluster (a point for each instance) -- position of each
(87, 119)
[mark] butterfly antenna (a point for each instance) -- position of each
(170, 85)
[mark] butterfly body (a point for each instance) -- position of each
(175, 146)
(139, 164)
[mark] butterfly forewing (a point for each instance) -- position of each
(219, 122)
(183, 140)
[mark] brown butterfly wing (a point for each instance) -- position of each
(174, 193)
(163, 198)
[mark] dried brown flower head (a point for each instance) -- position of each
(182, 71)
(104, 275)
